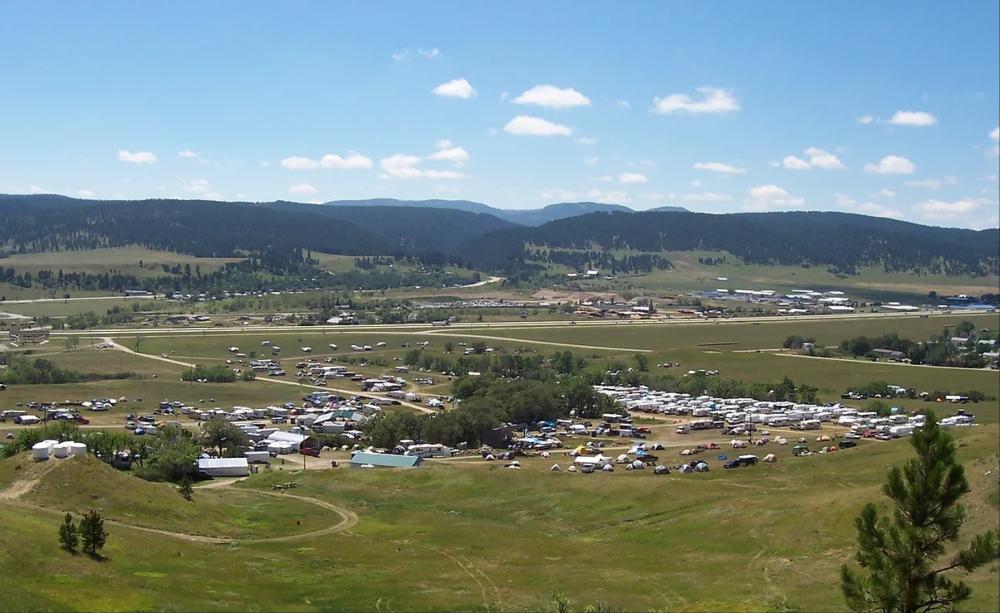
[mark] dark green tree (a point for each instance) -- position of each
(223, 436)
(900, 572)
(185, 489)
(93, 533)
(69, 537)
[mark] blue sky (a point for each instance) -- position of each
(883, 108)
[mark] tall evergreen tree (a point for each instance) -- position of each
(93, 532)
(69, 537)
(899, 554)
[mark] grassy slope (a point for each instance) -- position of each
(81, 484)
(122, 259)
(463, 536)
(688, 275)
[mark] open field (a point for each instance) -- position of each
(871, 282)
(124, 260)
(464, 534)
(764, 538)
(743, 334)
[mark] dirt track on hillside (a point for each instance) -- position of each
(348, 519)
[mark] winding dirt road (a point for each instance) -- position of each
(348, 519)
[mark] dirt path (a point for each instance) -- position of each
(119, 347)
(535, 342)
(348, 519)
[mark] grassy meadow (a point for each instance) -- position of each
(471, 536)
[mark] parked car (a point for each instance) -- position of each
(309, 451)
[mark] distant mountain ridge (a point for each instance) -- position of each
(278, 233)
(525, 217)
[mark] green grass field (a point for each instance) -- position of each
(742, 334)
(470, 536)
(122, 259)
(871, 282)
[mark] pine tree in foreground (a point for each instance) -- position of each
(92, 532)
(69, 537)
(900, 571)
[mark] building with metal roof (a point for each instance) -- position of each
(366, 459)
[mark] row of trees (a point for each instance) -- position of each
(90, 530)
(938, 350)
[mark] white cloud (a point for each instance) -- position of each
(456, 88)
(712, 101)
(885, 193)
(303, 188)
(995, 137)
(525, 125)
(623, 104)
(403, 166)
(931, 183)
(187, 153)
(866, 119)
(939, 209)
(818, 158)
(552, 97)
(85, 193)
(631, 177)
(585, 140)
(448, 152)
(696, 183)
(769, 198)
(913, 118)
(865, 208)
(404, 54)
(591, 161)
(823, 159)
(299, 163)
(793, 163)
(719, 167)
(137, 157)
(352, 161)
(892, 165)
(330, 161)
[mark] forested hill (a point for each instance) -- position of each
(277, 234)
(840, 240)
(221, 229)
(408, 228)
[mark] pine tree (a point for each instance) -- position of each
(69, 537)
(185, 489)
(899, 554)
(93, 533)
